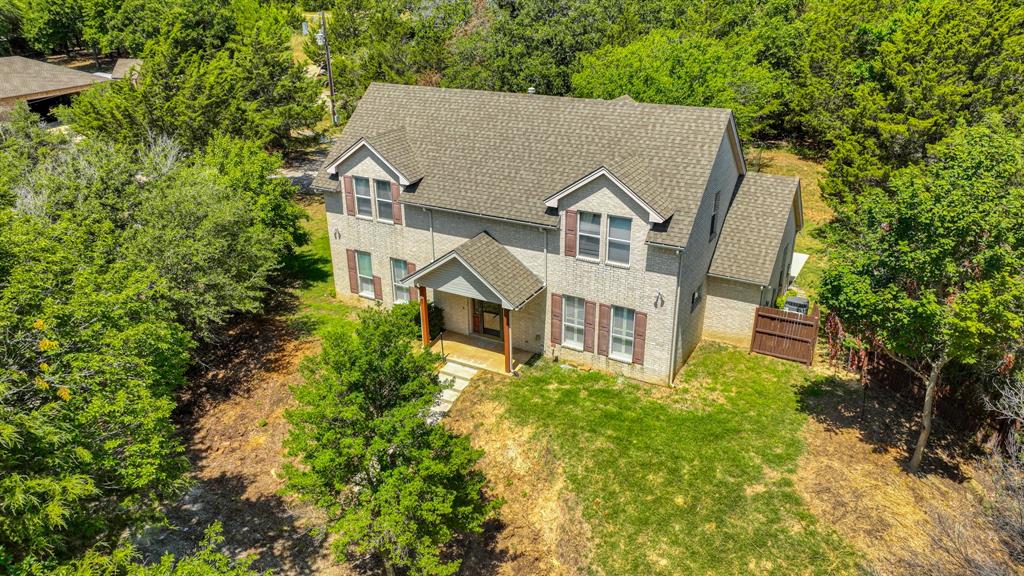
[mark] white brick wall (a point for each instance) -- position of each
(648, 284)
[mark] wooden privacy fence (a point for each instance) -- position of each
(786, 335)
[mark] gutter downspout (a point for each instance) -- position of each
(675, 319)
(545, 231)
(433, 253)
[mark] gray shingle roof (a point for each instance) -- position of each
(500, 269)
(123, 66)
(27, 79)
(502, 154)
(753, 228)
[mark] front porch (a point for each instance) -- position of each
(478, 352)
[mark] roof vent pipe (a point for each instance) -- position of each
(531, 90)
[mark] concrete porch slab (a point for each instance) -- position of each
(477, 352)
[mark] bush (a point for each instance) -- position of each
(411, 311)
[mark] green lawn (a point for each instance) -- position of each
(310, 267)
(691, 480)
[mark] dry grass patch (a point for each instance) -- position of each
(540, 530)
(852, 476)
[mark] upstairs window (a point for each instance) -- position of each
(385, 209)
(618, 239)
(364, 203)
(623, 322)
(714, 216)
(572, 322)
(589, 236)
(399, 270)
(364, 269)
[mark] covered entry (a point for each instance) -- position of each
(492, 280)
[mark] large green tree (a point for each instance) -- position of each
(221, 68)
(930, 270)
(52, 25)
(393, 484)
(668, 67)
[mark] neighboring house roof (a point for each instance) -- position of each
(754, 226)
(124, 66)
(492, 263)
(27, 79)
(503, 154)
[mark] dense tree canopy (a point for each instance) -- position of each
(929, 270)
(218, 68)
(114, 261)
(393, 484)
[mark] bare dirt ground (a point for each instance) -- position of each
(232, 417)
(540, 530)
(853, 476)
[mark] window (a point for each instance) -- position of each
(590, 236)
(714, 216)
(572, 322)
(385, 209)
(622, 334)
(618, 239)
(364, 204)
(696, 297)
(399, 270)
(364, 269)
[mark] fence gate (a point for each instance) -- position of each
(786, 335)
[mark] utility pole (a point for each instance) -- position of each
(323, 41)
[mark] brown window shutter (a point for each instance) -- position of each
(570, 233)
(378, 292)
(556, 318)
(396, 208)
(350, 196)
(589, 313)
(603, 327)
(639, 337)
(353, 278)
(414, 293)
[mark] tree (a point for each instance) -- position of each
(668, 67)
(210, 72)
(10, 25)
(929, 271)
(393, 485)
(52, 25)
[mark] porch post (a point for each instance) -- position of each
(507, 340)
(424, 317)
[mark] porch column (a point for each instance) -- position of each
(507, 337)
(424, 317)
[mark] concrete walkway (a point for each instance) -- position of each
(456, 376)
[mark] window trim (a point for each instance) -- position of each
(377, 200)
(369, 196)
(714, 215)
(360, 276)
(582, 325)
(628, 243)
(619, 356)
(394, 282)
(580, 234)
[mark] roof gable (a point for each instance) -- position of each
(603, 171)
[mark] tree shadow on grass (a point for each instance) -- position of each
(305, 268)
(885, 421)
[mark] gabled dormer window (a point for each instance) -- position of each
(364, 202)
(618, 239)
(590, 236)
(385, 208)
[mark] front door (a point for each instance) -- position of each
(487, 318)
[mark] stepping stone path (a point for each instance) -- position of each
(456, 377)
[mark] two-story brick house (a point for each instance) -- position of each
(582, 229)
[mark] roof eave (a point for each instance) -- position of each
(332, 168)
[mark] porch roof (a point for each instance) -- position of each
(490, 263)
